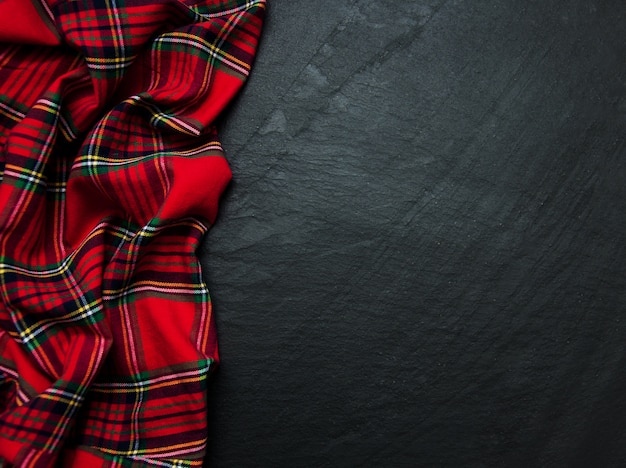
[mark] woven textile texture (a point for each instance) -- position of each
(110, 171)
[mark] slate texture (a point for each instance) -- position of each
(421, 258)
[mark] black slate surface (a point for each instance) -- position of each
(421, 258)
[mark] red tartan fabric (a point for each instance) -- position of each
(110, 174)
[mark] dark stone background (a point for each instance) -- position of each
(421, 258)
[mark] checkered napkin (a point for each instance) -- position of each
(110, 174)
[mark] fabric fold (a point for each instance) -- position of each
(110, 174)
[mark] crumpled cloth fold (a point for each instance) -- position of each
(110, 174)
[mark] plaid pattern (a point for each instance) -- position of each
(110, 174)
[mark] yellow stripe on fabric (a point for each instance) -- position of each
(191, 39)
(159, 450)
